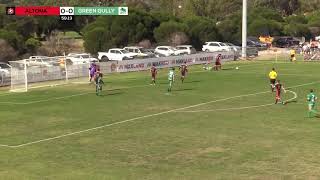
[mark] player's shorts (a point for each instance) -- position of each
(292, 55)
(153, 76)
(272, 81)
(183, 74)
(278, 95)
(218, 64)
(312, 104)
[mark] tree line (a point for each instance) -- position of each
(167, 22)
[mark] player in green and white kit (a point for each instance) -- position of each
(171, 79)
(311, 98)
(99, 82)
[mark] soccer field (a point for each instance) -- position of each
(217, 125)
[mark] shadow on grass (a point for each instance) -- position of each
(185, 89)
(195, 81)
(228, 69)
(179, 81)
(111, 94)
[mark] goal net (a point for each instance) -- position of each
(19, 82)
(38, 72)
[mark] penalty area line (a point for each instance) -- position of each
(138, 118)
(125, 121)
(241, 108)
(65, 97)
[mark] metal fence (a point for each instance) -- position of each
(312, 55)
(24, 73)
(5, 79)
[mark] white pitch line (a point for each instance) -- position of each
(128, 120)
(6, 93)
(227, 109)
(13, 103)
(75, 95)
(45, 100)
(141, 117)
(281, 74)
(239, 108)
(64, 97)
(295, 96)
(230, 64)
(47, 85)
(3, 145)
(81, 94)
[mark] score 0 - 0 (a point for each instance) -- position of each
(66, 13)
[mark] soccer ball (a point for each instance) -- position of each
(237, 68)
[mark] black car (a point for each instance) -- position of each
(285, 42)
(254, 43)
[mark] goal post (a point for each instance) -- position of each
(35, 73)
(19, 79)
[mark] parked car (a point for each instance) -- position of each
(257, 44)
(81, 58)
(285, 42)
(185, 49)
(166, 51)
(234, 47)
(251, 51)
(39, 62)
(215, 46)
(254, 43)
(5, 69)
(226, 47)
(140, 52)
(155, 53)
(38, 57)
(116, 54)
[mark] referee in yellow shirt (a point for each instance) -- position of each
(273, 77)
(292, 55)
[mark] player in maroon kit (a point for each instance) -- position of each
(183, 69)
(154, 72)
(217, 66)
(279, 87)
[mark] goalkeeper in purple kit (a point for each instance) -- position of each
(92, 71)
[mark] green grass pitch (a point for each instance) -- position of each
(217, 125)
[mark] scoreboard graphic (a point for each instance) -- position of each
(66, 13)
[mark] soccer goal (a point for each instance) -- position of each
(39, 72)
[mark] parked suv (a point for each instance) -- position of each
(82, 58)
(215, 46)
(285, 42)
(140, 52)
(166, 51)
(116, 54)
(185, 49)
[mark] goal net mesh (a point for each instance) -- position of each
(35, 73)
(53, 71)
(18, 76)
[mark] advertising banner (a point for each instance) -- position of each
(164, 62)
